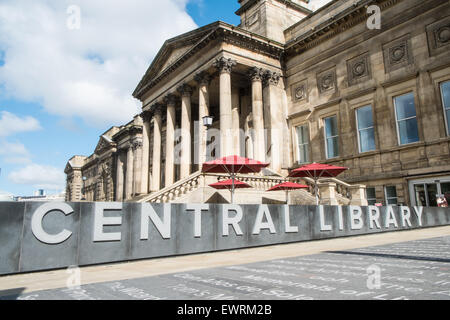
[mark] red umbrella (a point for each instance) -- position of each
(233, 165)
(228, 184)
(231, 185)
(317, 171)
(286, 186)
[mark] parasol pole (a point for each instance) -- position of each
(232, 188)
(316, 189)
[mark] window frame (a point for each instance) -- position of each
(446, 120)
(358, 130)
(303, 144)
(386, 196)
(405, 119)
(331, 137)
(374, 199)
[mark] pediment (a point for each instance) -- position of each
(175, 48)
(178, 50)
(68, 168)
(103, 143)
(175, 54)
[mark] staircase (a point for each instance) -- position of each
(195, 189)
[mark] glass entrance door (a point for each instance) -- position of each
(432, 191)
(425, 192)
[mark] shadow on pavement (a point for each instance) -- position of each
(11, 294)
(393, 256)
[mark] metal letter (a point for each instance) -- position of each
(197, 208)
(100, 220)
(163, 227)
(263, 211)
(234, 221)
(38, 216)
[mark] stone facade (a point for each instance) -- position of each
(112, 172)
(289, 87)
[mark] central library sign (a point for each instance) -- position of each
(42, 236)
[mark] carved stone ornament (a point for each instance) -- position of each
(326, 81)
(397, 54)
(203, 78)
(256, 74)
(185, 90)
(254, 18)
(438, 34)
(224, 65)
(136, 144)
(358, 69)
(300, 91)
(170, 99)
(271, 77)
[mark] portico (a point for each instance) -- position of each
(230, 91)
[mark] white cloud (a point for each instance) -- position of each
(12, 149)
(11, 124)
(39, 176)
(92, 71)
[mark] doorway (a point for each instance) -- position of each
(424, 192)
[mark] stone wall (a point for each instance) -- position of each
(349, 66)
(41, 236)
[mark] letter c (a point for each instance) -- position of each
(38, 216)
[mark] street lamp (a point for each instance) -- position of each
(207, 121)
(84, 189)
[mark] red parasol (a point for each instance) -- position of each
(228, 184)
(231, 185)
(233, 165)
(286, 186)
(317, 171)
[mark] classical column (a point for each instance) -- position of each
(170, 139)
(224, 66)
(156, 165)
(271, 80)
(236, 143)
(137, 166)
(145, 153)
(185, 161)
(119, 177)
(129, 174)
(256, 75)
(203, 80)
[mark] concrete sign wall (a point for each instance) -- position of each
(40, 236)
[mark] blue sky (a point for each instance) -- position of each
(67, 72)
(35, 153)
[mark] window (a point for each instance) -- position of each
(405, 112)
(303, 143)
(366, 133)
(331, 137)
(391, 195)
(371, 197)
(445, 92)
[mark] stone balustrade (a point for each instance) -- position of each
(332, 191)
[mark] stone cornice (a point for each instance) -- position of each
(342, 21)
(131, 130)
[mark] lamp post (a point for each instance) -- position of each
(207, 122)
(83, 198)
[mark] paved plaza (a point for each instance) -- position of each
(417, 268)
